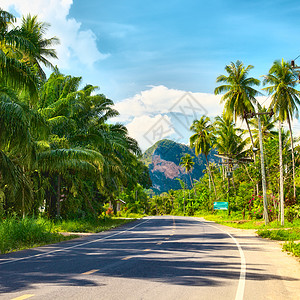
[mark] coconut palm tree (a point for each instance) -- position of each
(188, 163)
(202, 140)
(35, 33)
(229, 143)
(282, 80)
(239, 92)
(229, 139)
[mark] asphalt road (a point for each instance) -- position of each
(154, 258)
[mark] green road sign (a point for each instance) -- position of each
(221, 205)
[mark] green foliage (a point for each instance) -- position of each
(292, 213)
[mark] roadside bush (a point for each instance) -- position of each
(280, 234)
(292, 212)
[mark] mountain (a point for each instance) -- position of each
(163, 160)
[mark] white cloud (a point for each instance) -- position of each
(148, 130)
(160, 112)
(162, 100)
(78, 47)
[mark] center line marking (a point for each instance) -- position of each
(166, 238)
(146, 249)
(159, 243)
(128, 257)
(90, 272)
(26, 296)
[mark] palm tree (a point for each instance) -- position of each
(188, 163)
(229, 139)
(78, 119)
(229, 144)
(35, 32)
(285, 98)
(239, 94)
(202, 140)
(14, 43)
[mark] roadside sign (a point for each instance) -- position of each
(221, 205)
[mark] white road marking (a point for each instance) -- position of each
(241, 286)
(71, 247)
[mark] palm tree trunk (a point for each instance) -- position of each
(191, 180)
(263, 174)
(293, 156)
(254, 156)
(58, 196)
(281, 191)
(212, 180)
(23, 197)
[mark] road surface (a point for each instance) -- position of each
(154, 258)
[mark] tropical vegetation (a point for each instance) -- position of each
(62, 158)
(60, 155)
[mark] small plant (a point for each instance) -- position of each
(292, 247)
(109, 212)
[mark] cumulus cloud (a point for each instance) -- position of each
(148, 130)
(160, 99)
(77, 46)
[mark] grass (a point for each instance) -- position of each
(18, 234)
(237, 222)
(280, 234)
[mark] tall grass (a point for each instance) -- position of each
(93, 225)
(17, 234)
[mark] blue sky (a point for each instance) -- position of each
(146, 55)
(186, 44)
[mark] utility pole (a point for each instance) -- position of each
(281, 190)
(262, 162)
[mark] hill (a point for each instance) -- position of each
(163, 160)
